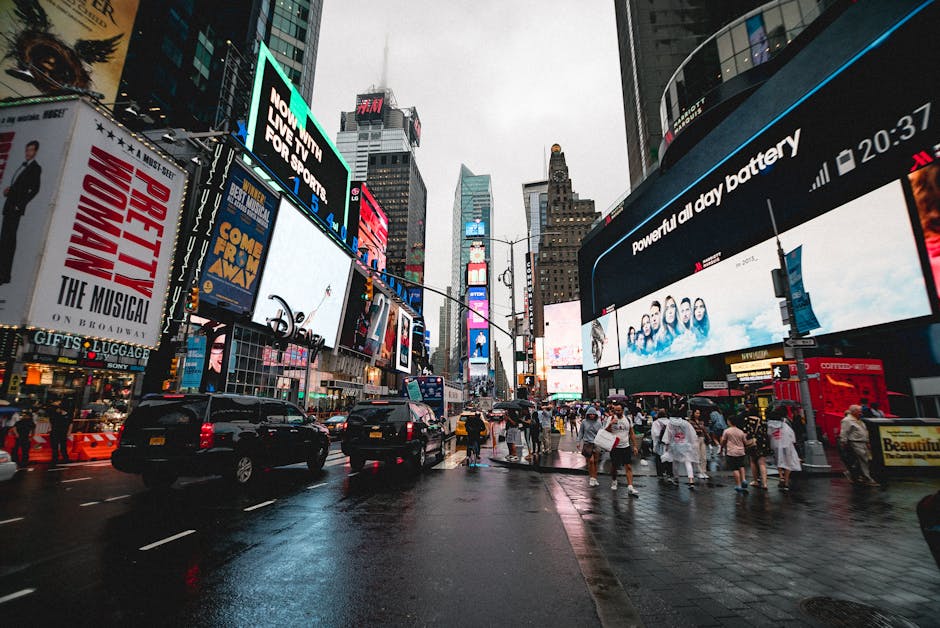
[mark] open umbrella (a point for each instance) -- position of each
(654, 393)
(723, 392)
(519, 405)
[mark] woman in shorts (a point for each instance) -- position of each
(589, 428)
(733, 447)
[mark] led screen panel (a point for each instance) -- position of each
(403, 359)
(563, 334)
(564, 381)
(599, 343)
(479, 346)
(849, 265)
(314, 292)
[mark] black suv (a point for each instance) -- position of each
(388, 429)
(232, 435)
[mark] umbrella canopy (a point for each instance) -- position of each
(723, 392)
(519, 405)
(701, 402)
(654, 393)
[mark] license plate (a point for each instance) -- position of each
(158, 440)
(375, 434)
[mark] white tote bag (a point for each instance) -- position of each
(605, 440)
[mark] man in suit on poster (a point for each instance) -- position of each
(23, 187)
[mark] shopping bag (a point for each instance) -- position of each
(605, 440)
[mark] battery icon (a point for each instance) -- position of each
(845, 161)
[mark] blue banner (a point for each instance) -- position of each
(239, 244)
(195, 362)
(802, 307)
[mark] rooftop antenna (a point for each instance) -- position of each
(384, 80)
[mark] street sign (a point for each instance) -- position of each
(800, 342)
(714, 385)
(731, 377)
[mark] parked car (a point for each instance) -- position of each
(7, 466)
(336, 425)
(461, 431)
(388, 429)
(215, 434)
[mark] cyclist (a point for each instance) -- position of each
(475, 427)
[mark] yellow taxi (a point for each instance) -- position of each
(461, 431)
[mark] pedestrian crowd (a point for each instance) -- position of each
(23, 424)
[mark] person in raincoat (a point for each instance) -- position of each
(681, 447)
(783, 443)
(656, 432)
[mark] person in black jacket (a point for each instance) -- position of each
(22, 189)
(25, 428)
(475, 427)
(59, 420)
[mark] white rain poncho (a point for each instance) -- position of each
(783, 441)
(680, 440)
(657, 429)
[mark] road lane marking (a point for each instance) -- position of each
(88, 504)
(103, 463)
(452, 461)
(168, 539)
(56, 469)
(335, 462)
(317, 485)
(75, 480)
(18, 594)
(13, 520)
(114, 499)
(261, 505)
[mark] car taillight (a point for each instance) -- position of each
(120, 434)
(342, 426)
(409, 431)
(207, 436)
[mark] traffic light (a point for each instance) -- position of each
(174, 366)
(367, 295)
(192, 305)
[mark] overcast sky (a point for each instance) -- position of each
(495, 83)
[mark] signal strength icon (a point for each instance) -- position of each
(822, 178)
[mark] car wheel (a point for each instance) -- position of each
(441, 454)
(158, 481)
(356, 463)
(243, 470)
(421, 457)
(318, 458)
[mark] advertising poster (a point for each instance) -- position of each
(910, 445)
(239, 243)
(475, 229)
(33, 146)
(479, 346)
(479, 310)
(313, 293)
(476, 274)
(111, 237)
(925, 187)
(390, 342)
(599, 343)
(403, 361)
(195, 363)
(563, 334)
(848, 264)
(370, 107)
(283, 133)
(373, 225)
(356, 321)
(564, 381)
(76, 43)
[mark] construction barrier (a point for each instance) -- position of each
(92, 446)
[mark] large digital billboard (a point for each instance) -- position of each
(370, 107)
(239, 243)
(599, 342)
(835, 167)
(564, 381)
(476, 274)
(403, 352)
(479, 310)
(90, 219)
(373, 225)
(283, 134)
(51, 44)
(313, 293)
(479, 345)
(354, 333)
(563, 334)
(700, 315)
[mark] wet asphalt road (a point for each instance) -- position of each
(89, 545)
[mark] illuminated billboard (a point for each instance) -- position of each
(90, 223)
(372, 235)
(292, 287)
(563, 334)
(476, 274)
(599, 342)
(239, 243)
(370, 107)
(699, 315)
(564, 381)
(283, 134)
(79, 43)
(479, 310)
(479, 345)
(403, 352)
(475, 229)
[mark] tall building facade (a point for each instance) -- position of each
(188, 57)
(473, 203)
(655, 37)
(568, 218)
(378, 140)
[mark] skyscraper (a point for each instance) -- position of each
(188, 60)
(378, 141)
(473, 203)
(655, 37)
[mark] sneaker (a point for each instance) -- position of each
(613, 485)
(593, 482)
(785, 488)
(702, 476)
(691, 484)
(740, 489)
(644, 463)
(632, 491)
